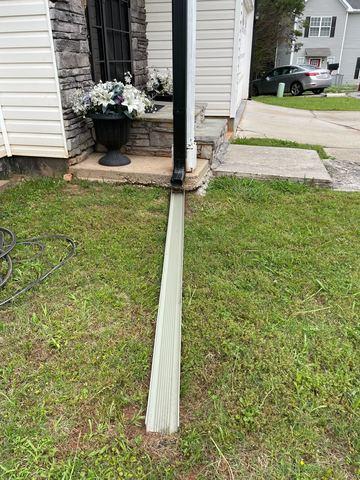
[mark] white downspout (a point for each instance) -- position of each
(293, 43)
(343, 41)
(191, 159)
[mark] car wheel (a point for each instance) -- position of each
(254, 91)
(296, 89)
(317, 91)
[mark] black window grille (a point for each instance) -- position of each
(109, 28)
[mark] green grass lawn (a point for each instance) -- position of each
(270, 335)
(308, 102)
(274, 142)
(342, 88)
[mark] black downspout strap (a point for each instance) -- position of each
(180, 49)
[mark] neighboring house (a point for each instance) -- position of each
(331, 35)
(49, 48)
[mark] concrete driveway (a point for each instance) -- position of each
(330, 129)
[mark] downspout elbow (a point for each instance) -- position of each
(178, 176)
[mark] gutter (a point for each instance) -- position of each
(180, 52)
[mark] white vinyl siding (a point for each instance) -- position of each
(215, 33)
(29, 87)
(215, 43)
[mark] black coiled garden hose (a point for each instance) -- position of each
(8, 243)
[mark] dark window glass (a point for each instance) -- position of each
(109, 38)
(357, 69)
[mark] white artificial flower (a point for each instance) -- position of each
(128, 78)
(101, 96)
(111, 97)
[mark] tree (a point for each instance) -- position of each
(274, 26)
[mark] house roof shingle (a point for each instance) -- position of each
(354, 4)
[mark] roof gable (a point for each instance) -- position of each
(350, 5)
(354, 4)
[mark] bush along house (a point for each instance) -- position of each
(50, 49)
(330, 38)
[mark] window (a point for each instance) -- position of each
(357, 69)
(320, 26)
(275, 73)
(109, 29)
(315, 62)
(330, 60)
(301, 60)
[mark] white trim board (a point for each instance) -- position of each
(5, 134)
(58, 93)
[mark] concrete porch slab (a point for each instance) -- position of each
(165, 114)
(274, 163)
(143, 170)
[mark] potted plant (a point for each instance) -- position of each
(160, 84)
(111, 106)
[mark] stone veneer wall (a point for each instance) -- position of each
(72, 51)
(70, 33)
(139, 42)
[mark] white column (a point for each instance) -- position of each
(191, 159)
(343, 43)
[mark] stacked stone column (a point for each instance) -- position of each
(69, 29)
(71, 41)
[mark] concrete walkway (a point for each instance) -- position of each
(344, 168)
(272, 163)
(330, 129)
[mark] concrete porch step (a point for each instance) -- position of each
(211, 139)
(165, 114)
(143, 170)
(156, 139)
(274, 163)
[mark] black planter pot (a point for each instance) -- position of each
(112, 131)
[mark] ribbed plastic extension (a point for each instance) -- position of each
(162, 414)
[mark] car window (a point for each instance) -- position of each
(274, 73)
(295, 70)
(285, 70)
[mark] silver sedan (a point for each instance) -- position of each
(297, 79)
